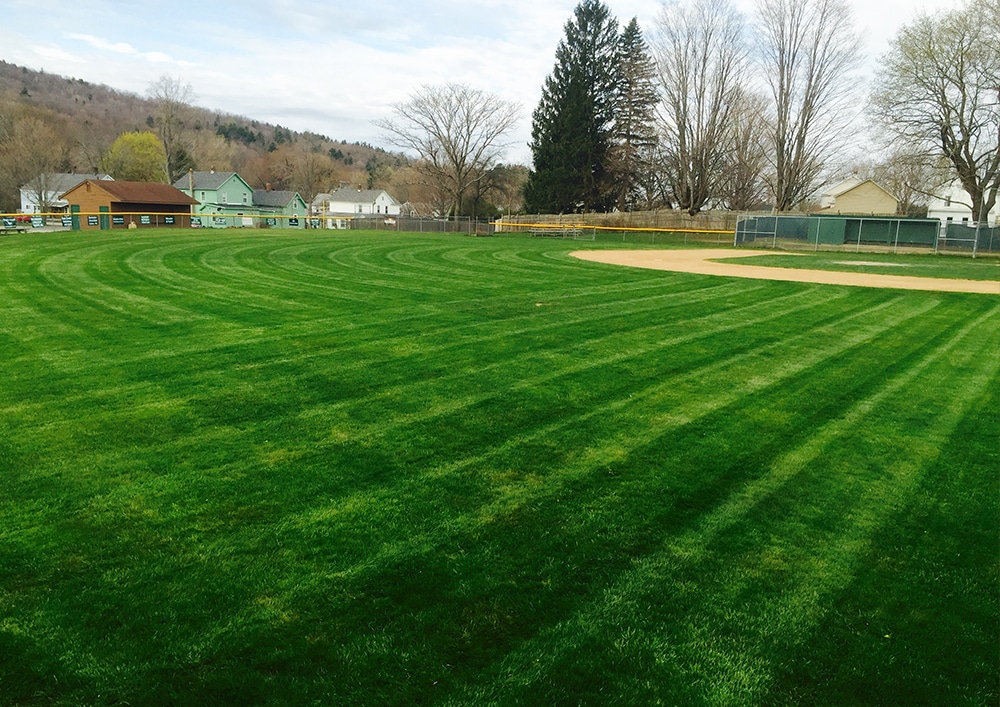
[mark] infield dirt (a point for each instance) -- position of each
(711, 262)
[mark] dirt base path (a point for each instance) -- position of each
(700, 262)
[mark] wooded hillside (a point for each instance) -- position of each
(59, 124)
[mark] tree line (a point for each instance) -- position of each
(709, 114)
(716, 110)
(56, 124)
(712, 110)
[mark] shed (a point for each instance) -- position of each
(96, 204)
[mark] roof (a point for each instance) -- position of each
(358, 196)
(853, 183)
(843, 187)
(204, 180)
(139, 192)
(279, 199)
(60, 182)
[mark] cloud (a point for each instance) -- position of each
(334, 68)
(53, 53)
(127, 49)
(103, 44)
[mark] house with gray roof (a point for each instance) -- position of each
(225, 199)
(284, 209)
(349, 202)
(42, 194)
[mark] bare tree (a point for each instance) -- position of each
(172, 99)
(653, 190)
(743, 186)
(501, 192)
(808, 49)
(30, 150)
(457, 133)
(911, 178)
(312, 168)
(939, 89)
(701, 58)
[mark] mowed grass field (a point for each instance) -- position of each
(962, 267)
(267, 468)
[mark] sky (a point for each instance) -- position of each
(334, 67)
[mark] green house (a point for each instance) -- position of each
(225, 197)
(281, 209)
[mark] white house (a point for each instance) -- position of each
(951, 204)
(350, 202)
(41, 194)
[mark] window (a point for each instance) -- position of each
(223, 198)
(359, 208)
(203, 196)
(246, 198)
(947, 201)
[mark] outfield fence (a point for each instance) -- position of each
(864, 233)
(639, 227)
(658, 220)
(410, 224)
(103, 220)
(613, 234)
(760, 230)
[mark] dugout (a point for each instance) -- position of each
(756, 228)
(872, 230)
(982, 238)
(838, 230)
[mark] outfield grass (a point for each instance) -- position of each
(385, 469)
(962, 267)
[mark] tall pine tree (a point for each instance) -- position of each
(571, 132)
(634, 135)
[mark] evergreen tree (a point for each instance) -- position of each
(571, 128)
(635, 129)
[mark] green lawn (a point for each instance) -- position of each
(264, 467)
(961, 267)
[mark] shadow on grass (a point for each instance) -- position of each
(919, 624)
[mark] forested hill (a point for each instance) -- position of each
(55, 123)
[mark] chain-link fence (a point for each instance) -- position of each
(863, 233)
(410, 224)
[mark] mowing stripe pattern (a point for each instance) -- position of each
(300, 467)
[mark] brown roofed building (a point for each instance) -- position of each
(104, 204)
